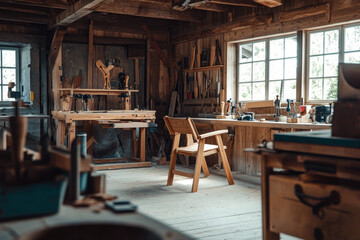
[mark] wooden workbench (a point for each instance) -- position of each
(312, 191)
(128, 119)
(247, 134)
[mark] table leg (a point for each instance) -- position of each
(71, 133)
(60, 133)
(142, 144)
(265, 172)
(135, 150)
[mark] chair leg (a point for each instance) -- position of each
(205, 167)
(173, 160)
(198, 164)
(224, 159)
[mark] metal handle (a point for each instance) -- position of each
(333, 198)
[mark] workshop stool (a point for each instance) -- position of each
(196, 148)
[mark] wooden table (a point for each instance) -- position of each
(311, 190)
(128, 119)
(246, 134)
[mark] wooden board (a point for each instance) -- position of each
(259, 104)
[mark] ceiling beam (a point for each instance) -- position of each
(62, 4)
(269, 3)
(213, 7)
(238, 3)
(76, 11)
(23, 17)
(144, 9)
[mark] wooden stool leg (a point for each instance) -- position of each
(198, 164)
(205, 167)
(173, 159)
(224, 159)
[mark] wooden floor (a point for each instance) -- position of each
(217, 211)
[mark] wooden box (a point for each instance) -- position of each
(291, 216)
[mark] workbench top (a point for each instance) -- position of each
(11, 230)
(268, 124)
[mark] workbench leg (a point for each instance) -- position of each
(71, 133)
(265, 172)
(60, 133)
(142, 144)
(135, 151)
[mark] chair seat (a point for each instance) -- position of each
(193, 149)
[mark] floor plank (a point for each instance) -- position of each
(217, 211)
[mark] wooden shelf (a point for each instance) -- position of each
(203, 69)
(71, 91)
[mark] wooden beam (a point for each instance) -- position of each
(214, 7)
(23, 17)
(61, 4)
(223, 28)
(143, 9)
(76, 11)
(55, 46)
(242, 3)
(155, 45)
(305, 12)
(269, 3)
(116, 41)
(90, 53)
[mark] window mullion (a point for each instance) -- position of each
(267, 63)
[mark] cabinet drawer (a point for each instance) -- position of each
(339, 220)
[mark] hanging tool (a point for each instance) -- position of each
(106, 73)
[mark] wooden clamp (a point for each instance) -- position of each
(106, 73)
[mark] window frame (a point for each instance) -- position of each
(267, 60)
(341, 27)
(17, 72)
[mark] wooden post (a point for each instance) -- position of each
(137, 80)
(90, 53)
(142, 144)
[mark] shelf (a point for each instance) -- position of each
(203, 69)
(71, 91)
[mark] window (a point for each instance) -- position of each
(326, 49)
(8, 70)
(267, 68)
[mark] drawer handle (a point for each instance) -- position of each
(317, 210)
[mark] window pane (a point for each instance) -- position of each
(316, 43)
(5, 92)
(276, 70)
(8, 58)
(245, 91)
(290, 47)
(290, 89)
(352, 38)
(245, 72)
(245, 53)
(259, 71)
(277, 48)
(330, 88)
(8, 75)
(274, 89)
(332, 41)
(331, 65)
(352, 57)
(315, 89)
(259, 91)
(290, 68)
(316, 66)
(259, 51)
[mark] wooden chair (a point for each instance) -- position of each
(197, 148)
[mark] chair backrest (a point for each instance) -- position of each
(182, 126)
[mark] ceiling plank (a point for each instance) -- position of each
(76, 11)
(238, 3)
(269, 3)
(214, 7)
(142, 9)
(41, 3)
